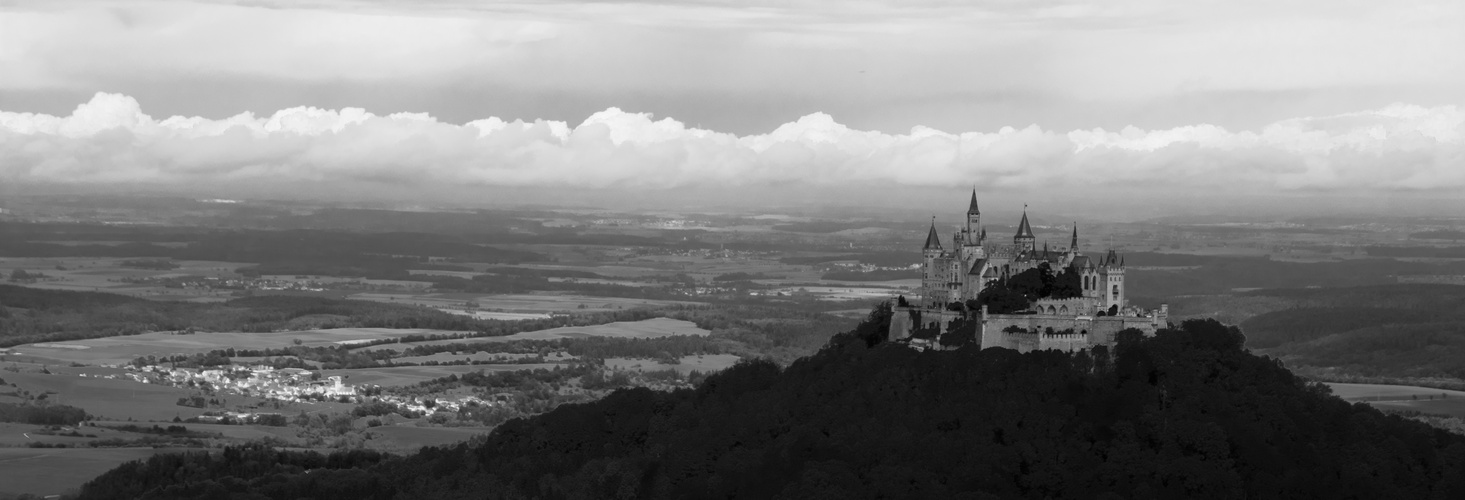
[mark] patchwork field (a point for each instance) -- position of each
(1379, 392)
(1454, 407)
(480, 357)
(705, 363)
(506, 316)
(241, 432)
(52, 471)
(108, 398)
(407, 375)
(19, 435)
(409, 438)
(650, 328)
(536, 304)
(1404, 398)
(120, 350)
(106, 274)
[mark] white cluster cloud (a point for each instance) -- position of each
(111, 140)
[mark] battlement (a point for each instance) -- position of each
(1022, 332)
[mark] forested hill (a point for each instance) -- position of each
(1186, 414)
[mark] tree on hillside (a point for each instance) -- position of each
(1066, 285)
(1000, 299)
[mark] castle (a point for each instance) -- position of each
(952, 281)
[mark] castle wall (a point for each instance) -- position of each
(905, 320)
(901, 324)
(1087, 331)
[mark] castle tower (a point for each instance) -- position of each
(1024, 239)
(933, 242)
(1111, 281)
(933, 272)
(973, 218)
(1089, 273)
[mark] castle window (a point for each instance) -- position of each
(1116, 292)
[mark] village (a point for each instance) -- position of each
(283, 385)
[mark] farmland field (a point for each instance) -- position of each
(705, 363)
(109, 398)
(649, 328)
(479, 357)
(50, 471)
(105, 274)
(408, 437)
(1453, 406)
(1380, 392)
(1403, 397)
(120, 350)
(516, 303)
(406, 375)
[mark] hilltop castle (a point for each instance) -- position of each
(953, 280)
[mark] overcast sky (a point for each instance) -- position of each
(1326, 98)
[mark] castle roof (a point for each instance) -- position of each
(1024, 230)
(977, 266)
(1080, 262)
(1110, 259)
(933, 240)
(973, 208)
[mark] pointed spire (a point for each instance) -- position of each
(933, 240)
(1121, 261)
(1073, 246)
(972, 209)
(1024, 230)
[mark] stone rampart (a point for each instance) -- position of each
(1028, 332)
(1065, 333)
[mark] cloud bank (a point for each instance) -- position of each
(111, 140)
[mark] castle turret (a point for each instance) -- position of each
(1024, 238)
(934, 275)
(1111, 279)
(973, 215)
(933, 242)
(1073, 244)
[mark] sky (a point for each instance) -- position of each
(1322, 103)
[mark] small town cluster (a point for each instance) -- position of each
(286, 385)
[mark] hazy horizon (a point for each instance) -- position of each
(1124, 111)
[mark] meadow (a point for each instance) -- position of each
(409, 437)
(107, 274)
(705, 363)
(650, 328)
(407, 375)
(479, 357)
(121, 350)
(53, 471)
(1426, 400)
(113, 399)
(1380, 392)
(526, 303)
